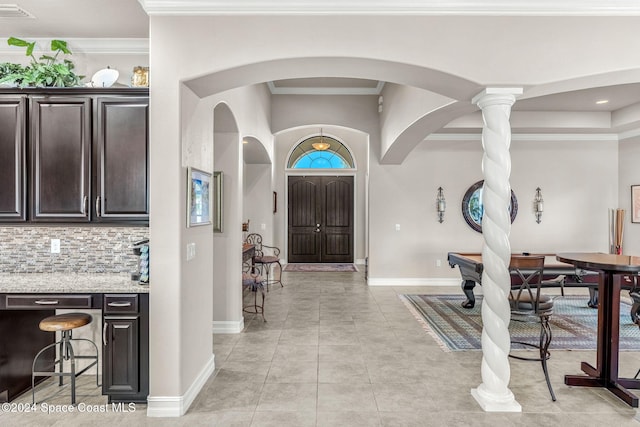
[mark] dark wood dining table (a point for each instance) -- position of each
(605, 374)
(248, 251)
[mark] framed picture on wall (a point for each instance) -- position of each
(635, 203)
(198, 197)
(218, 208)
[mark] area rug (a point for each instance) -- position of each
(320, 267)
(573, 324)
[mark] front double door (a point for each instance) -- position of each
(320, 226)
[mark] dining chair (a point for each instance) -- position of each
(266, 259)
(527, 302)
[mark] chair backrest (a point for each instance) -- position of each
(256, 240)
(526, 277)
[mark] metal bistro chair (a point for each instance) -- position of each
(254, 283)
(264, 261)
(64, 323)
(526, 301)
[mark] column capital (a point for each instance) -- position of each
(497, 96)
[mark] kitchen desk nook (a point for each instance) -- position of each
(26, 299)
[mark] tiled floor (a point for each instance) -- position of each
(335, 352)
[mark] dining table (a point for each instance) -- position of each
(611, 268)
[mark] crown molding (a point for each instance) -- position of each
(387, 7)
(529, 137)
(110, 46)
(629, 134)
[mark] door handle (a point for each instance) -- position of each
(104, 332)
(98, 207)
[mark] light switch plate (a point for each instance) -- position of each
(191, 251)
(55, 246)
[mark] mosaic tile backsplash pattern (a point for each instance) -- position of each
(82, 249)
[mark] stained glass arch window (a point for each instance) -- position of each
(321, 152)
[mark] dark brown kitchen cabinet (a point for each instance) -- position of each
(121, 151)
(125, 355)
(13, 144)
(74, 155)
(125, 340)
(60, 144)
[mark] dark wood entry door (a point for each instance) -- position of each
(320, 219)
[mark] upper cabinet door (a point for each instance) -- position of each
(60, 158)
(122, 167)
(13, 144)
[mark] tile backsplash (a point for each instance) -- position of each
(83, 249)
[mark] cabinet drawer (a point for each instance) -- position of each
(120, 303)
(46, 302)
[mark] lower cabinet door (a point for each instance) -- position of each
(120, 365)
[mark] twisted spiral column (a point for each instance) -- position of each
(493, 394)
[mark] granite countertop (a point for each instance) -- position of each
(69, 283)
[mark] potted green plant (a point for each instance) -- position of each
(9, 68)
(46, 71)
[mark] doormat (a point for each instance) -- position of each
(573, 324)
(320, 267)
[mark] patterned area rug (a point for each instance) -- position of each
(573, 324)
(319, 267)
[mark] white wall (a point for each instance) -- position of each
(628, 175)
(402, 106)
(190, 295)
(227, 254)
(574, 219)
(258, 201)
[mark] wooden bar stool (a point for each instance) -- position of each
(64, 323)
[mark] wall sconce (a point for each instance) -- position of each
(441, 205)
(538, 205)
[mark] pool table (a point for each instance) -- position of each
(470, 266)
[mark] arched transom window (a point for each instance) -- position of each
(320, 152)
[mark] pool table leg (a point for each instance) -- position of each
(467, 288)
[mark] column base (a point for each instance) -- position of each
(492, 403)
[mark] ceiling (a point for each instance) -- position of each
(67, 19)
(126, 19)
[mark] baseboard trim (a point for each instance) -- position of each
(417, 281)
(228, 326)
(177, 406)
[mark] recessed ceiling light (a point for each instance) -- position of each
(244, 141)
(602, 101)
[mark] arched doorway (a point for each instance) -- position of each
(320, 207)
